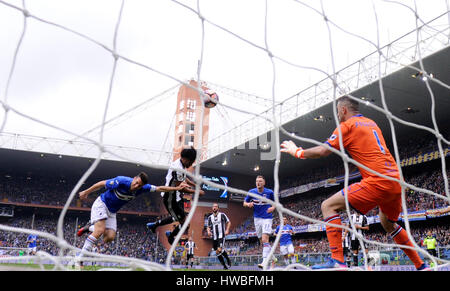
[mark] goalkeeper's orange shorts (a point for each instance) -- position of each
(374, 191)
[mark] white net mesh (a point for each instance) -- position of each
(431, 33)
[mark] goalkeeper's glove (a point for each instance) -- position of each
(300, 153)
(290, 148)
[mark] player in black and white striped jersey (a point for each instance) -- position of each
(361, 225)
(218, 228)
(346, 245)
(174, 200)
(190, 246)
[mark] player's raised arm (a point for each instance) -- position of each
(288, 146)
(190, 190)
(181, 187)
(192, 184)
(97, 186)
(189, 182)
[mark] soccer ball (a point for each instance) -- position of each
(211, 102)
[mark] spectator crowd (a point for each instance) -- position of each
(46, 190)
(132, 239)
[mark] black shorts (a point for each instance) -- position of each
(355, 244)
(218, 243)
(432, 252)
(174, 207)
(190, 256)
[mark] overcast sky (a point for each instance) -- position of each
(63, 79)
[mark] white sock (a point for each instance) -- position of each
(266, 250)
(293, 261)
(91, 228)
(88, 244)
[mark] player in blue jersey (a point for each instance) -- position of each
(32, 244)
(119, 191)
(262, 212)
(286, 246)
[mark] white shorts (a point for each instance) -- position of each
(287, 249)
(263, 225)
(99, 211)
(33, 249)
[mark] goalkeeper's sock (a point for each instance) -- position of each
(334, 235)
(400, 236)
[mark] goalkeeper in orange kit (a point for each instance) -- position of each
(363, 140)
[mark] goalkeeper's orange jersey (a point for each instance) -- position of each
(363, 140)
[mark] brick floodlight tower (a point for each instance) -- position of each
(187, 133)
(188, 120)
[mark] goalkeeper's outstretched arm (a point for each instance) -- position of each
(288, 146)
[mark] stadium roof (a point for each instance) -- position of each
(69, 167)
(407, 97)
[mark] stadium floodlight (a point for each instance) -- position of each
(265, 146)
(422, 76)
(368, 99)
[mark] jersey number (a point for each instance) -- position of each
(378, 141)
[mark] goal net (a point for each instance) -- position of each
(69, 66)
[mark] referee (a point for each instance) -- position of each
(219, 227)
(430, 242)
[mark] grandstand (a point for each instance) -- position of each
(26, 200)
